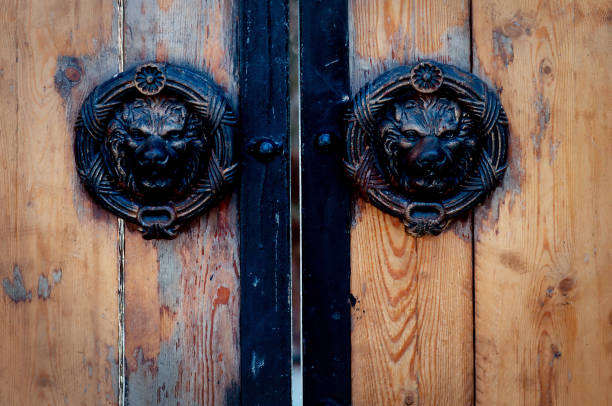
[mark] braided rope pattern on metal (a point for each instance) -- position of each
(473, 96)
(202, 96)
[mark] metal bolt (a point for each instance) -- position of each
(324, 141)
(264, 150)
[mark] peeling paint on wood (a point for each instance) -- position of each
(44, 290)
(182, 296)
(53, 51)
(44, 286)
(502, 47)
(539, 331)
(15, 289)
(57, 276)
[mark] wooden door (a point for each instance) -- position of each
(511, 304)
(91, 312)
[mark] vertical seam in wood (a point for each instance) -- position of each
(121, 395)
(120, 23)
(17, 170)
(472, 220)
(471, 27)
(473, 228)
(121, 310)
(417, 322)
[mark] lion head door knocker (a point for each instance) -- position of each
(426, 143)
(154, 145)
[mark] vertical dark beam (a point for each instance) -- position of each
(265, 256)
(325, 205)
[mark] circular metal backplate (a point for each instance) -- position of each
(154, 145)
(425, 143)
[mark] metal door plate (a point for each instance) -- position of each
(154, 145)
(426, 143)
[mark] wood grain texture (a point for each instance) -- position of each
(182, 296)
(58, 254)
(384, 273)
(543, 249)
(412, 322)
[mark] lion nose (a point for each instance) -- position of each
(153, 155)
(430, 155)
(154, 152)
(431, 159)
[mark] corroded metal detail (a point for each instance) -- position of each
(426, 143)
(154, 145)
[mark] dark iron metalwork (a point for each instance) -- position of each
(426, 143)
(265, 221)
(326, 204)
(154, 145)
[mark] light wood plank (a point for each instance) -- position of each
(543, 247)
(58, 254)
(182, 296)
(412, 323)
(384, 273)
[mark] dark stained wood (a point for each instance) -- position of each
(58, 254)
(543, 249)
(412, 320)
(182, 296)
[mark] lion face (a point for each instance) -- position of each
(426, 145)
(155, 146)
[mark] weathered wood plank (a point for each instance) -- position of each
(543, 249)
(182, 296)
(412, 322)
(58, 255)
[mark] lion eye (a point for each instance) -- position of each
(173, 134)
(411, 136)
(448, 134)
(137, 134)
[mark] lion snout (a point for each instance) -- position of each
(153, 153)
(427, 155)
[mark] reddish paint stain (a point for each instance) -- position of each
(161, 52)
(223, 294)
(164, 5)
(72, 74)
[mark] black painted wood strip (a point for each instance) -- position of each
(326, 196)
(265, 256)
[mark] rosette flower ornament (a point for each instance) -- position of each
(426, 77)
(149, 79)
